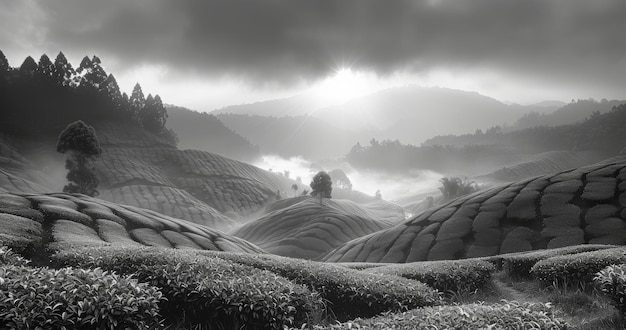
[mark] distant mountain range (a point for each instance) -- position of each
(202, 131)
(410, 114)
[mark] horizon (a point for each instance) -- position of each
(209, 55)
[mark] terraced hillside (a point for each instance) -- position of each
(301, 227)
(584, 205)
(37, 222)
(144, 170)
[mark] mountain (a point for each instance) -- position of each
(202, 131)
(410, 114)
(307, 136)
(571, 113)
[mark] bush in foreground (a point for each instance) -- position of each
(576, 270)
(41, 298)
(206, 291)
(8, 257)
(612, 282)
(351, 293)
(519, 265)
(456, 277)
(506, 315)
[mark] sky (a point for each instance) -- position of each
(207, 54)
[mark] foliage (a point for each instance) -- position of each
(31, 96)
(612, 282)
(505, 315)
(340, 179)
(203, 290)
(81, 142)
(576, 270)
(456, 277)
(36, 298)
(8, 257)
(350, 293)
(153, 115)
(321, 185)
(519, 265)
(455, 187)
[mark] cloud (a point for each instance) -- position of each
(286, 42)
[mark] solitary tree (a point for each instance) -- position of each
(321, 185)
(294, 187)
(80, 140)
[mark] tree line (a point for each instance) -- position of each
(39, 98)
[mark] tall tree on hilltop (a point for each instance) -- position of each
(137, 102)
(321, 185)
(28, 67)
(80, 140)
(153, 115)
(63, 70)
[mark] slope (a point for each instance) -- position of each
(584, 205)
(205, 132)
(35, 223)
(302, 227)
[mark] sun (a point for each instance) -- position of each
(345, 84)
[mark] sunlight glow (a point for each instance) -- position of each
(345, 85)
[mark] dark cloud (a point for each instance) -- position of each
(289, 40)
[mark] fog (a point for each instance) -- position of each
(391, 186)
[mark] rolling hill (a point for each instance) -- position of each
(583, 205)
(301, 227)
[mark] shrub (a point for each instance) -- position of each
(576, 270)
(36, 298)
(206, 291)
(612, 282)
(351, 293)
(506, 315)
(8, 257)
(519, 265)
(450, 276)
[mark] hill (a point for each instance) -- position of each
(301, 227)
(202, 131)
(584, 205)
(35, 223)
(574, 112)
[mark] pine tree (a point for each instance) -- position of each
(45, 68)
(153, 116)
(28, 67)
(111, 92)
(4, 64)
(63, 71)
(136, 102)
(80, 140)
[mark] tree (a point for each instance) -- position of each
(28, 67)
(294, 187)
(45, 68)
(340, 179)
(378, 195)
(63, 70)
(153, 115)
(136, 102)
(4, 64)
(321, 185)
(80, 140)
(455, 187)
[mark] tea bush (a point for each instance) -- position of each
(42, 298)
(576, 270)
(506, 315)
(206, 291)
(612, 282)
(350, 293)
(519, 265)
(450, 276)
(8, 257)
